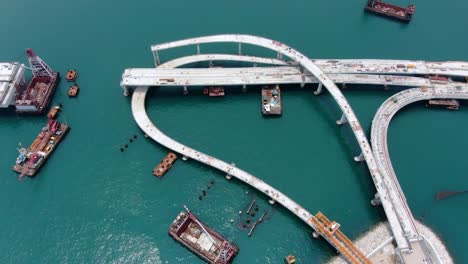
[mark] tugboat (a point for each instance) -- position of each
(202, 240)
(392, 11)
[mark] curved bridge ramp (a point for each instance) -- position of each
(379, 131)
(395, 207)
(351, 254)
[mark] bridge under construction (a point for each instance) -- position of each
(411, 246)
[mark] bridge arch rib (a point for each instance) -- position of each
(396, 209)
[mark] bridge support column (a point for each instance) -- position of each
(279, 56)
(244, 88)
(319, 89)
(315, 234)
(229, 176)
(185, 90)
(376, 201)
(359, 158)
(385, 87)
(271, 201)
(125, 89)
(156, 58)
(343, 120)
(343, 86)
(239, 48)
(184, 158)
(302, 77)
(198, 48)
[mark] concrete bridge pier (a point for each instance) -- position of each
(359, 158)
(185, 90)
(343, 120)
(125, 89)
(244, 88)
(319, 89)
(376, 201)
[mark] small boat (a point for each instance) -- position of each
(290, 259)
(202, 240)
(53, 111)
(71, 75)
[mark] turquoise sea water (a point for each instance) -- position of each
(93, 204)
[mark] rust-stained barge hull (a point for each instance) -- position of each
(450, 104)
(202, 240)
(165, 165)
(380, 8)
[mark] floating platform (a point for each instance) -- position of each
(165, 164)
(73, 90)
(450, 104)
(36, 98)
(71, 75)
(271, 100)
(30, 160)
(378, 7)
(202, 240)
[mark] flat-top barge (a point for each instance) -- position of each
(30, 160)
(450, 104)
(271, 100)
(202, 240)
(392, 11)
(37, 95)
(165, 164)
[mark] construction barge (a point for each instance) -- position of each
(36, 97)
(202, 240)
(391, 11)
(450, 104)
(271, 100)
(30, 160)
(165, 165)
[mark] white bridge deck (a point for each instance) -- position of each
(253, 76)
(388, 188)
